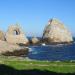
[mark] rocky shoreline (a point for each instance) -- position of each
(14, 41)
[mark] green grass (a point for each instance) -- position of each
(24, 64)
(62, 67)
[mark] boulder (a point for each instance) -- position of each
(15, 35)
(56, 32)
(35, 40)
(2, 36)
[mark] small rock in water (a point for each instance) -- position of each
(35, 40)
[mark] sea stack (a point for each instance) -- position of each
(56, 32)
(15, 35)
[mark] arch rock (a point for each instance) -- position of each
(15, 35)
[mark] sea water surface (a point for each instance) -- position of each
(59, 52)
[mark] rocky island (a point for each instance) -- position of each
(56, 32)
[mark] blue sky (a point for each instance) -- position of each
(33, 15)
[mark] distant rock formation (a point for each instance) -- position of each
(15, 35)
(2, 36)
(35, 40)
(56, 32)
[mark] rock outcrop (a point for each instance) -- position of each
(11, 49)
(2, 36)
(56, 32)
(4, 47)
(15, 35)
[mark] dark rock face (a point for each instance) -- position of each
(56, 32)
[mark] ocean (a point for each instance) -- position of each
(59, 52)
